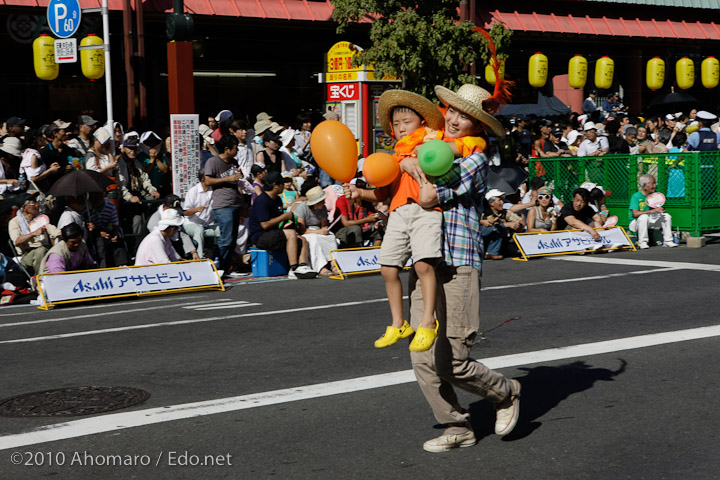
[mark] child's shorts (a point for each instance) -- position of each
(411, 230)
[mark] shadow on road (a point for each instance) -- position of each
(543, 388)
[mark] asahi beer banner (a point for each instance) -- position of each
(571, 241)
(128, 281)
(358, 260)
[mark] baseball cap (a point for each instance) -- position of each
(493, 192)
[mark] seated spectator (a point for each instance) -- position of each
(289, 193)
(83, 141)
(98, 157)
(593, 145)
(182, 242)
(573, 142)
(536, 183)
(198, 212)
(631, 134)
(104, 232)
(157, 247)
(72, 214)
(313, 225)
(641, 217)
(556, 147)
(494, 226)
(258, 174)
(156, 162)
(266, 215)
(135, 186)
(9, 183)
(543, 216)
(359, 222)
(31, 245)
(31, 163)
(616, 142)
(578, 214)
(68, 255)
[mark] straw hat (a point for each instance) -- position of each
(402, 98)
(315, 195)
(469, 99)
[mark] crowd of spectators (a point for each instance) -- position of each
(137, 219)
(244, 161)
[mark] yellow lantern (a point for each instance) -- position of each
(490, 71)
(685, 73)
(577, 71)
(604, 72)
(655, 73)
(44, 58)
(538, 70)
(92, 60)
(710, 72)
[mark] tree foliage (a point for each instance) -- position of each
(421, 41)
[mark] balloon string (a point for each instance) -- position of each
(482, 334)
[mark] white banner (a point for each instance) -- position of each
(125, 281)
(186, 159)
(568, 241)
(358, 260)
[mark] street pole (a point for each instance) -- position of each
(108, 76)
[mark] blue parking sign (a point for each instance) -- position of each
(64, 17)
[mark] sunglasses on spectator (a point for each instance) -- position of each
(545, 197)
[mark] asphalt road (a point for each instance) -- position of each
(616, 353)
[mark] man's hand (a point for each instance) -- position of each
(155, 194)
(134, 199)
(595, 234)
(324, 231)
(199, 209)
(114, 239)
(153, 154)
(195, 255)
(39, 232)
(54, 167)
(534, 197)
(658, 210)
(411, 166)
(512, 225)
(105, 235)
(351, 191)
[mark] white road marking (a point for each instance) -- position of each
(33, 309)
(95, 315)
(273, 312)
(580, 279)
(121, 421)
(202, 308)
(644, 263)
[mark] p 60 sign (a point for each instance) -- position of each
(338, 92)
(63, 17)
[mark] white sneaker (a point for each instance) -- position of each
(302, 272)
(670, 244)
(643, 245)
(443, 443)
(507, 414)
(291, 274)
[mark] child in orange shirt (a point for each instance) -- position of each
(411, 229)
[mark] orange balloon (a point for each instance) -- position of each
(380, 169)
(335, 150)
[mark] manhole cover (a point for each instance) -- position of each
(70, 402)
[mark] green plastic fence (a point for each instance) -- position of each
(690, 182)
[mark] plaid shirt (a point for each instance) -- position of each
(460, 194)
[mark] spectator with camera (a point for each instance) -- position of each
(495, 227)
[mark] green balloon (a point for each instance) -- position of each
(435, 158)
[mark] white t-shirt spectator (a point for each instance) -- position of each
(196, 197)
(588, 148)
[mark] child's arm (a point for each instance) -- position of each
(428, 197)
(352, 192)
